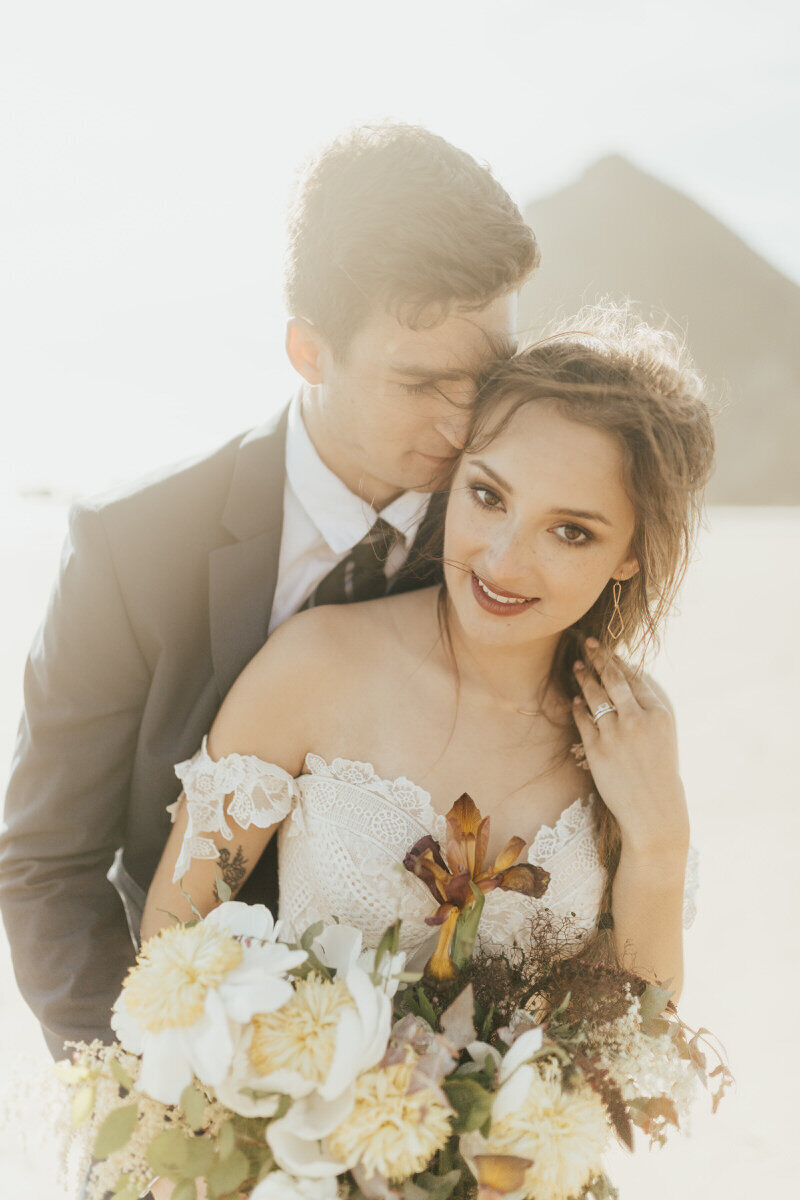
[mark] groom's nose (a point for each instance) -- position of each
(454, 427)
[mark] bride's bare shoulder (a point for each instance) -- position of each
(379, 626)
(282, 700)
(275, 704)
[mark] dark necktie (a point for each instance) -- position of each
(361, 574)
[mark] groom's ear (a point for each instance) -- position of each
(305, 345)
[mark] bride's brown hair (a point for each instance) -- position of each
(608, 369)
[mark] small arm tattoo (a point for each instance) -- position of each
(233, 870)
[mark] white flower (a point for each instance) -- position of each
(520, 1052)
(297, 1140)
(245, 920)
(280, 1186)
(191, 986)
(327, 1033)
(340, 947)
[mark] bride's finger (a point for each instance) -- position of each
(614, 678)
(593, 692)
(647, 692)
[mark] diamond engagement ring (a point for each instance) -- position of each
(602, 710)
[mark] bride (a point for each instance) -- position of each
(570, 521)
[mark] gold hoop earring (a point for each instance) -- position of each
(616, 615)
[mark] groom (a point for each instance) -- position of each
(404, 260)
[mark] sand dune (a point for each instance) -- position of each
(618, 230)
(731, 665)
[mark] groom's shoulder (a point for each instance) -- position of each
(191, 492)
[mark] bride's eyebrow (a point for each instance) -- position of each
(478, 462)
(581, 515)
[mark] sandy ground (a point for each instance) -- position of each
(731, 665)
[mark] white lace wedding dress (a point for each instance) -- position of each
(344, 835)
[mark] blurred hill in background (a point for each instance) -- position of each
(619, 232)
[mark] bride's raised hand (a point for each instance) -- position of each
(632, 752)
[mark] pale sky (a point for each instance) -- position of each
(149, 148)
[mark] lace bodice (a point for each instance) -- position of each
(344, 834)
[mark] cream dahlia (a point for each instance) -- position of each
(301, 1036)
(563, 1131)
(391, 1131)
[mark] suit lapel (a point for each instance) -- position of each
(243, 574)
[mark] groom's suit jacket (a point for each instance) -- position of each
(164, 594)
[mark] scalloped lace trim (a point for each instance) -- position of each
(400, 791)
(260, 794)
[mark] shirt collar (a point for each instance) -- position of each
(340, 516)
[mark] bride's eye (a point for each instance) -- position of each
(573, 535)
(484, 497)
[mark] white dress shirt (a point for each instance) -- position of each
(323, 520)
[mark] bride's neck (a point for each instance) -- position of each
(515, 674)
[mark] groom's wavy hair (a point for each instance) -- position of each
(607, 369)
(392, 217)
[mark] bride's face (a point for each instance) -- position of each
(537, 523)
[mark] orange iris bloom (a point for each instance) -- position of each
(448, 879)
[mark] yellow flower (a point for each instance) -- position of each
(301, 1036)
(167, 988)
(563, 1132)
(390, 1130)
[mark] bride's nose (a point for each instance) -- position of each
(510, 559)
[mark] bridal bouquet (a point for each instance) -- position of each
(251, 1065)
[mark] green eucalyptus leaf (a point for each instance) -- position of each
(185, 1190)
(121, 1075)
(655, 1026)
(486, 1027)
(223, 890)
(313, 931)
(195, 910)
(200, 1156)
(267, 1167)
(653, 1001)
(255, 1093)
(426, 1009)
(115, 1131)
(226, 1140)
(123, 1189)
(226, 1176)
(389, 943)
(193, 1103)
(82, 1105)
(167, 1153)
(473, 1103)
(432, 1187)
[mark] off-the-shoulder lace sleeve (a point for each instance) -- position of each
(691, 884)
(260, 793)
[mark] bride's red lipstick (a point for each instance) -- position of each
(500, 608)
